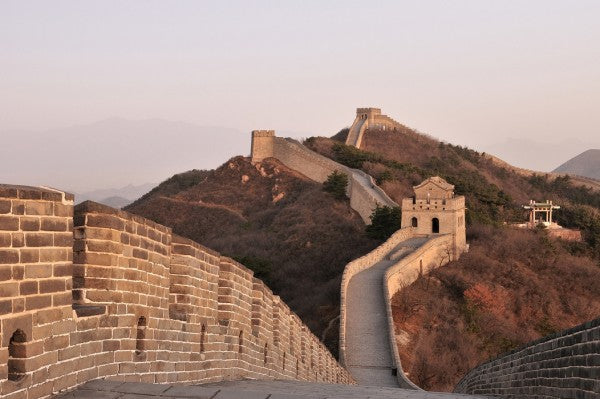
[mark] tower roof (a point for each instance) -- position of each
(438, 181)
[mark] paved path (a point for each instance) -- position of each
(246, 389)
(368, 352)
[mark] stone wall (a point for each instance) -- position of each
(360, 264)
(436, 252)
(105, 293)
(364, 194)
(563, 365)
(368, 118)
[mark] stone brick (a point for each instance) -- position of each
(18, 240)
(53, 254)
(9, 223)
(63, 210)
(5, 273)
(63, 240)
(28, 287)
(39, 208)
(9, 289)
(5, 306)
(30, 255)
(5, 240)
(39, 239)
(30, 223)
(54, 224)
(5, 206)
(48, 286)
(38, 302)
(38, 271)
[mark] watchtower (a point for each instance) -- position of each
(435, 209)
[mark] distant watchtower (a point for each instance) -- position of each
(368, 118)
(436, 210)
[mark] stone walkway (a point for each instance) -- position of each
(368, 352)
(246, 389)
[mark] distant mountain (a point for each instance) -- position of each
(585, 164)
(114, 152)
(114, 196)
(115, 202)
(533, 155)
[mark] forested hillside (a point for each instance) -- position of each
(513, 286)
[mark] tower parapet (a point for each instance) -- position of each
(435, 209)
(262, 144)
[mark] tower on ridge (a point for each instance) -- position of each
(435, 209)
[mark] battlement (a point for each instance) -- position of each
(263, 133)
(368, 111)
(91, 292)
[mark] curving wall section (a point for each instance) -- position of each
(563, 365)
(98, 292)
(364, 194)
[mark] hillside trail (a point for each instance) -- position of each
(368, 352)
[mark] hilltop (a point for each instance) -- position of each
(513, 286)
(296, 237)
(585, 164)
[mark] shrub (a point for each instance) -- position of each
(336, 184)
(384, 222)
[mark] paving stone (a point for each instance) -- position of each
(142, 388)
(102, 385)
(196, 392)
(89, 394)
(229, 393)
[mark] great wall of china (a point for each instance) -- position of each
(91, 292)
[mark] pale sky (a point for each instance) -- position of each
(470, 72)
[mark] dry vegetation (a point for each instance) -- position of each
(295, 236)
(512, 287)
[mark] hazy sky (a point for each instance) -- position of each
(470, 72)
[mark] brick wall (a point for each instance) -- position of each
(98, 292)
(364, 194)
(565, 365)
(35, 289)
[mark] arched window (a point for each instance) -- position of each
(241, 342)
(202, 338)
(16, 352)
(140, 344)
(414, 222)
(435, 225)
(283, 362)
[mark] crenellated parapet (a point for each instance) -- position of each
(94, 292)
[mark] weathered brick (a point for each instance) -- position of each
(38, 302)
(28, 287)
(9, 256)
(53, 254)
(61, 270)
(55, 285)
(63, 210)
(39, 239)
(38, 271)
(5, 273)
(63, 239)
(39, 208)
(30, 223)
(30, 255)
(107, 221)
(54, 224)
(9, 223)
(5, 206)
(5, 306)
(18, 240)
(5, 240)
